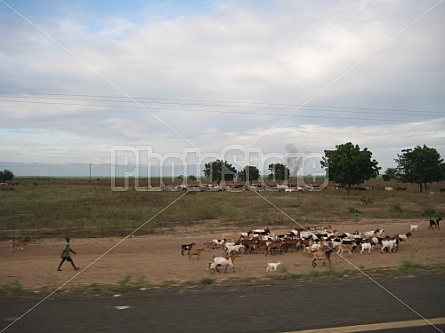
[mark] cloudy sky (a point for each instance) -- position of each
(80, 78)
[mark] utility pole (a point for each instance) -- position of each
(90, 171)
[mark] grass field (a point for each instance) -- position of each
(42, 207)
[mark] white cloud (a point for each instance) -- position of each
(287, 53)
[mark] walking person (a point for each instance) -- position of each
(66, 255)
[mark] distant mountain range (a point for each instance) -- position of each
(83, 170)
(102, 170)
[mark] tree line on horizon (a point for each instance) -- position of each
(347, 165)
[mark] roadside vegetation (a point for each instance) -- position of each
(43, 207)
(128, 284)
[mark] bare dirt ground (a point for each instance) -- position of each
(158, 259)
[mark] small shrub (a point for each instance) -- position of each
(289, 276)
(329, 272)
(282, 269)
(407, 266)
(397, 208)
(354, 211)
(98, 288)
(429, 212)
(143, 283)
(43, 290)
(13, 287)
(122, 285)
(207, 281)
(367, 201)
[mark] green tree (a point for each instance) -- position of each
(249, 174)
(279, 172)
(390, 173)
(421, 165)
(348, 165)
(6, 175)
(219, 170)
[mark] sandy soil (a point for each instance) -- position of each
(158, 258)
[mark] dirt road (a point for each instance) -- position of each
(157, 258)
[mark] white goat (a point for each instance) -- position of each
(379, 232)
(226, 244)
(233, 248)
(217, 243)
(369, 234)
(414, 227)
(222, 261)
(390, 244)
(366, 247)
(272, 266)
(404, 237)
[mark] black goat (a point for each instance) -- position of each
(434, 223)
(186, 247)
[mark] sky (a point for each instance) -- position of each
(81, 80)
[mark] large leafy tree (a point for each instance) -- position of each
(348, 165)
(219, 170)
(420, 165)
(249, 174)
(279, 172)
(390, 173)
(6, 175)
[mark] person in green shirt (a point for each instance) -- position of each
(66, 256)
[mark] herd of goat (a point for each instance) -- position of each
(317, 243)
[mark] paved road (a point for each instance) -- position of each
(284, 307)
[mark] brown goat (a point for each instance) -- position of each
(207, 246)
(274, 247)
(195, 252)
(323, 254)
(343, 248)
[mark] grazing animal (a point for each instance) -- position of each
(19, 245)
(435, 223)
(186, 247)
(272, 266)
(223, 261)
(233, 248)
(232, 236)
(376, 233)
(390, 245)
(349, 248)
(388, 188)
(366, 247)
(323, 254)
(217, 243)
(404, 237)
(207, 246)
(195, 252)
(275, 247)
(379, 232)
(414, 227)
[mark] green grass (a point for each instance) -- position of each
(325, 273)
(126, 285)
(123, 285)
(143, 283)
(13, 287)
(407, 266)
(91, 209)
(207, 281)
